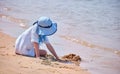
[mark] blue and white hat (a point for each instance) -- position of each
(46, 26)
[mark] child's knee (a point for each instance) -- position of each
(43, 52)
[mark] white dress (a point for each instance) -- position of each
(24, 43)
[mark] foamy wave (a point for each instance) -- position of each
(21, 22)
(6, 9)
(12, 19)
(22, 25)
(90, 45)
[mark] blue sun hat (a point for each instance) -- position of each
(46, 26)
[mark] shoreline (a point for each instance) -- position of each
(11, 63)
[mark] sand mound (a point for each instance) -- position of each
(72, 58)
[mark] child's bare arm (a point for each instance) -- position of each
(36, 48)
(51, 49)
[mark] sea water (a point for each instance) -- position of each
(89, 28)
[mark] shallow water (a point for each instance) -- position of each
(89, 28)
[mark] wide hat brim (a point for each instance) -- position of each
(48, 31)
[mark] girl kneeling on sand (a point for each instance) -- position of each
(28, 42)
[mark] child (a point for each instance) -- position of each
(28, 42)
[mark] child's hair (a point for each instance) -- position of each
(35, 22)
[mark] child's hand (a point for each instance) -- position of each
(37, 57)
(60, 60)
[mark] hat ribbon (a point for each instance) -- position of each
(42, 26)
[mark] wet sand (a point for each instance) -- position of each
(10, 63)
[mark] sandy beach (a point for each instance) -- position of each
(10, 63)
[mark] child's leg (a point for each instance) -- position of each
(43, 53)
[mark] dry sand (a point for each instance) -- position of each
(10, 63)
